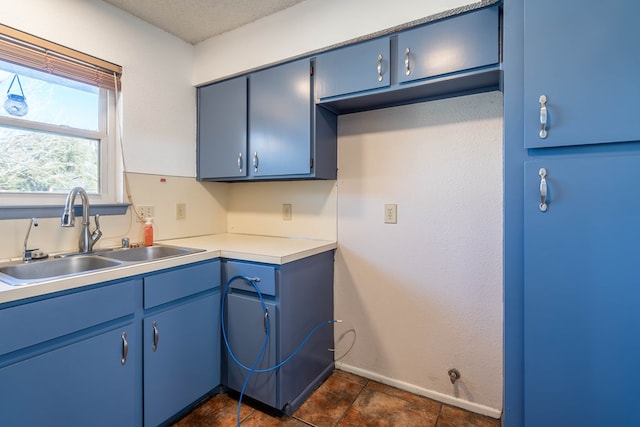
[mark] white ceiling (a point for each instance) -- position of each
(197, 20)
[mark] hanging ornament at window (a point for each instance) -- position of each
(16, 104)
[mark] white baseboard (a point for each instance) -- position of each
(440, 397)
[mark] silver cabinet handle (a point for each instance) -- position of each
(543, 116)
(543, 189)
(379, 68)
(407, 67)
(240, 162)
(156, 336)
(256, 161)
(266, 319)
(125, 348)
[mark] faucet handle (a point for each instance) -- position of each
(97, 233)
(28, 254)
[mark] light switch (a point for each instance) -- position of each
(286, 212)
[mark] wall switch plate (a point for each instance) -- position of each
(181, 210)
(144, 211)
(286, 212)
(391, 214)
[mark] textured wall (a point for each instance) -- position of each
(256, 208)
(305, 27)
(158, 100)
(423, 295)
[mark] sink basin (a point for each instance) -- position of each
(148, 253)
(26, 272)
(76, 263)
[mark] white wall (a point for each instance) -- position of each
(158, 119)
(256, 208)
(159, 100)
(305, 27)
(423, 295)
(206, 214)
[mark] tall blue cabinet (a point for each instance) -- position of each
(572, 158)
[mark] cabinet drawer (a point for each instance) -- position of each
(168, 286)
(451, 45)
(33, 323)
(266, 274)
(353, 69)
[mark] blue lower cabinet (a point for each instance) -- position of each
(181, 356)
(298, 296)
(246, 332)
(181, 339)
(581, 294)
(85, 383)
(127, 353)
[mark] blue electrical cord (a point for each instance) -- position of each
(252, 281)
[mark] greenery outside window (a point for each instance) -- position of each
(62, 134)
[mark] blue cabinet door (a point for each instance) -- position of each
(81, 384)
(584, 60)
(582, 288)
(245, 328)
(181, 356)
(353, 69)
(280, 120)
(222, 129)
(451, 45)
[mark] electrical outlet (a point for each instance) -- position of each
(286, 212)
(391, 214)
(181, 210)
(144, 211)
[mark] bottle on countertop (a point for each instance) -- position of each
(148, 232)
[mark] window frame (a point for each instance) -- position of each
(110, 169)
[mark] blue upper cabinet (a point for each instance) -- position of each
(448, 57)
(584, 60)
(280, 120)
(265, 126)
(222, 129)
(354, 69)
(452, 45)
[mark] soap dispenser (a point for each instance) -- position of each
(148, 231)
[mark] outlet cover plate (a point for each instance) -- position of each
(390, 214)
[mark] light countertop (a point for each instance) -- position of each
(264, 249)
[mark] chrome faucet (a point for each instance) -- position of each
(68, 218)
(28, 254)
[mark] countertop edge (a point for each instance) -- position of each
(10, 293)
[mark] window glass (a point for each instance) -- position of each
(50, 99)
(53, 133)
(33, 162)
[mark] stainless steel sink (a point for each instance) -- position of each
(51, 269)
(148, 253)
(20, 273)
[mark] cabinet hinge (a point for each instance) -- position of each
(311, 70)
(311, 163)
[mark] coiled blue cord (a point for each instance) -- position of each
(252, 281)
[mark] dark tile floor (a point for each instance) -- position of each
(342, 400)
